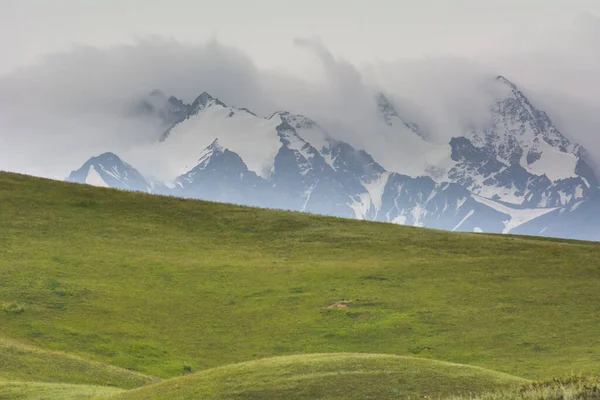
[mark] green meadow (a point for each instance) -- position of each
(121, 295)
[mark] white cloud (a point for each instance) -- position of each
(72, 105)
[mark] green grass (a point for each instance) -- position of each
(328, 376)
(22, 363)
(163, 285)
(52, 391)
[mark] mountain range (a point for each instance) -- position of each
(517, 173)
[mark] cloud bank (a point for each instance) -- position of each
(56, 114)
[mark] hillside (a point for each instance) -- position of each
(52, 391)
(329, 376)
(22, 363)
(165, 286)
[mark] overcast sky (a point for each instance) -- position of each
(63, 58)
(358, 30)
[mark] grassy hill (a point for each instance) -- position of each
(166, 286)
(329, 376)
(53, 391)
(22, 363)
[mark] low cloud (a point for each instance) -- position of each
(73, 105)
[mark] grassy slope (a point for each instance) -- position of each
(153, 283)
(328, 376)
(52, 391)
(24, 363)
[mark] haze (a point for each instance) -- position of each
(71, 69)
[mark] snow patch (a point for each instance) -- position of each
(94, 178)
(307, 195)
(113, 172)
(361, 206)
(517, 216)
(171, 184)
(508, 195)
(375, 188)
(418, 212)
(553, 163)
(469, 215)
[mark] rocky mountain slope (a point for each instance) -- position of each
(515, 174)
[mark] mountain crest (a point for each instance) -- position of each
(212, 150)
(525, 122)
(215, 146)
(388, 112)
(510, 170)
(109, 170)
(298, 121)
(521, 157)
(108, 156)
(203, 101)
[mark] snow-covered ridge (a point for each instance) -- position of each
(252, 137)
(521, 158)
(217, 152)
(214, 149)
(108, 170)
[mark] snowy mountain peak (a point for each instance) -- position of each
(526, 123)
(521, 157)
(279, 114)
(204, 97)
(203, 101)
(108, 170)
(176, 111)
(298, 121)
(514, 169)
(108, 157)
(215, 146)
(214, 149)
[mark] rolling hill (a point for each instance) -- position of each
(51, 391)
(329, 376)
(22, 363)
(164, 286)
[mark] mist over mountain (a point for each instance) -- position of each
(340, 138)
(85, 100)
(516, 171)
